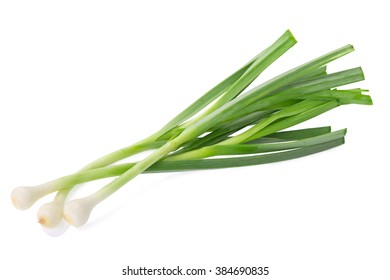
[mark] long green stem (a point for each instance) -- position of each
(292, 135)
(239, 149)
(201, 164)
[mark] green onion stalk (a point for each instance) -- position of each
(239, 127)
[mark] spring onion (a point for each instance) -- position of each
(229, 126)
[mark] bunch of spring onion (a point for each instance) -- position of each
(242, 127)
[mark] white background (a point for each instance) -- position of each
(79, 79)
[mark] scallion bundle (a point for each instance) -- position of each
(232, 127)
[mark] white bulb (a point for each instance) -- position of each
(24, 197)
(76, 212)
(50, 214)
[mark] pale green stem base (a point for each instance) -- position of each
(136, 169)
